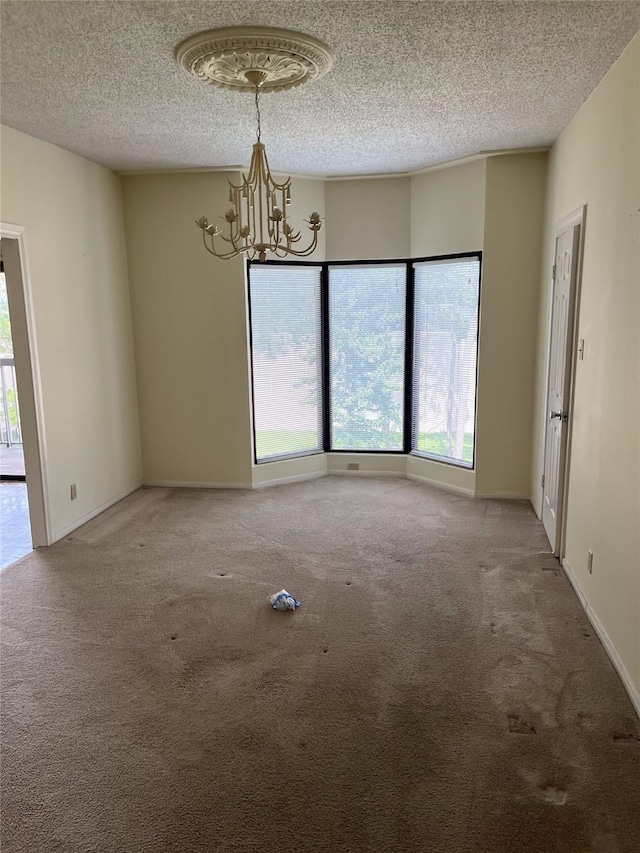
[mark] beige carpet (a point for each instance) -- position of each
(439, 691)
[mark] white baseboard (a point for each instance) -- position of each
(94, 512)
(447, 487)
(294, 478)
(503, 496)
(342, 473)
(600, 630)
(177, 484)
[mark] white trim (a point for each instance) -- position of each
(445, 164)
(343, 472)
(578, 218)
(196, 170)
(503, 496)
(189, 170)
(38, 493)
(94, 512)
(294, 478)
(177, 484)
(632, 690)
(481, 155)
(447, 487)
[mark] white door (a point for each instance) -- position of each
(564, 292)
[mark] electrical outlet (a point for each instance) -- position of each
(590, 561)
(74, 491)
(353, 466)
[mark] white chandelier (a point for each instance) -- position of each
(256, 59)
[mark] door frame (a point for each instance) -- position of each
(577, 217)
(14, 253)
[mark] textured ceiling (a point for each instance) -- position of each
(414, 83)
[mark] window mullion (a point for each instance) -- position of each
(408, 361)
(326, 360)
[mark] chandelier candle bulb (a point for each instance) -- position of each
(256, 59)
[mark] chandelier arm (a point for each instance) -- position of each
(273, 226)
(232, 238)
(260, 188)
(226, 239)
(253, 218)
(304, 252)
(212, 251)
(235, 229)
(243, 202)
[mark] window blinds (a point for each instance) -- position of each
(444, 358)
(286, 359)
(366, 343)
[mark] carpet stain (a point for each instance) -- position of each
(555, 795)
(518, 725)
(626, 739)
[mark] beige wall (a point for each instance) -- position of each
(72, 212)
(190, 333)
(494, 205)
(447, 210)
(368, 219)
(595, 162)
(447, 217)
(189, 314)
(514, 204)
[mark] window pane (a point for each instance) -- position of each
(286, 357)
(367, 337)
(445, 354)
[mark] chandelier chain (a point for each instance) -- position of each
(258, 110)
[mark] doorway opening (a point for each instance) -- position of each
(11, 450)
(15, 527)
(24, 517)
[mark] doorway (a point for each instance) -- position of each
(569, 240)
(24, 518)
(11, 452)
(15, 529)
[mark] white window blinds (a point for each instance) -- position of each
(367, 340)
(286, 359)
(445, 356)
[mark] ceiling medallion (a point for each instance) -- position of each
(250, 59)
(223, 57)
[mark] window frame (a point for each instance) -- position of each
(322, 389)
(325, 368)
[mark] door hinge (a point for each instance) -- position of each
(543, 481)
(554, 272)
